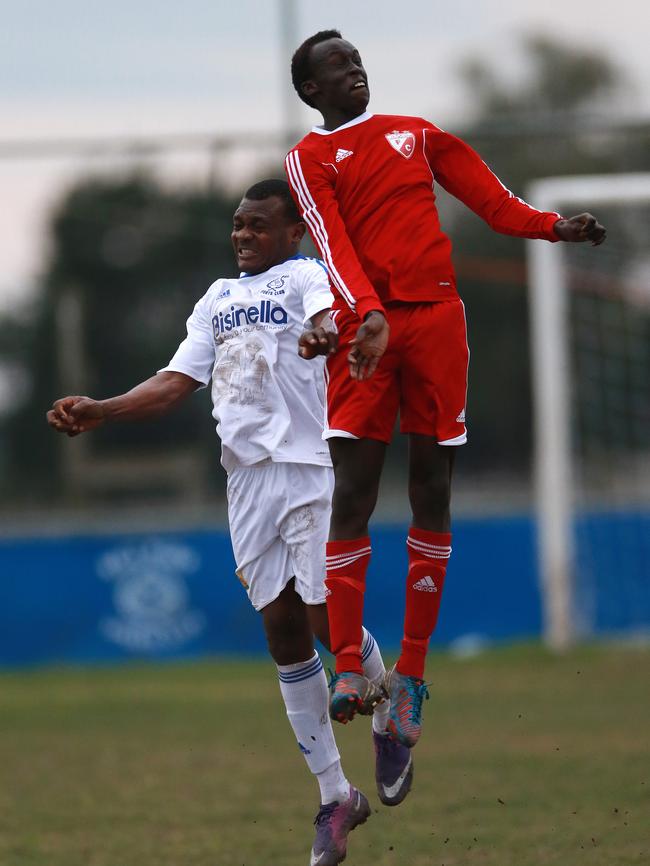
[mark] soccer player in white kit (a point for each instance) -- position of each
(269, 406)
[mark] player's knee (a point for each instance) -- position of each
(430, 495)
(353, 501)
(289, 640)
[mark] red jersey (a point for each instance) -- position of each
(366, 192)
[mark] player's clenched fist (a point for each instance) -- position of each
(317, 341)
(368, 345)
(74, 415)
(580, 228)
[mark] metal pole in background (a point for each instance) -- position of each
(72, 363)
(287, 10)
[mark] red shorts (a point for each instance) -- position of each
(423, 374)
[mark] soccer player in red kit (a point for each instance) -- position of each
(365, 185)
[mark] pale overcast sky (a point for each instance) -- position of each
(73, 68)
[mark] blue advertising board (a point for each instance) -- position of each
(173, 595)
(103, 598)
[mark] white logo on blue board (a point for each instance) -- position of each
(150, 595)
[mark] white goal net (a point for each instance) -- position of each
(590, 332)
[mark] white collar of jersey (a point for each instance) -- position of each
(297, 257)
(360, 119)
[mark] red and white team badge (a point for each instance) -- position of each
(402, 142)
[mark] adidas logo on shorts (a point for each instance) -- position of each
(461, 417)
(425, 584)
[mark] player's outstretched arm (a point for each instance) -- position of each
(580, 228)
(320, 339)
(368, 345)
(155, 396)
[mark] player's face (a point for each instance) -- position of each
(338, 79)
(263, 236)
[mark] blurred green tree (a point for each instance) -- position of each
(558, 78)
(137, 256)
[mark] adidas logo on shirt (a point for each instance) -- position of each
(343, 154)
(425, 584)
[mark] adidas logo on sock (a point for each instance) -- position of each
(425, 584)
(343, 154)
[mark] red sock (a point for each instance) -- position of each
(347, 562)
(428, 554)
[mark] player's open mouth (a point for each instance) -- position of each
(359, 85)
(245, 252)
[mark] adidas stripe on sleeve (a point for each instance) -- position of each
(314, 195)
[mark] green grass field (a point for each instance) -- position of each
(526, 759)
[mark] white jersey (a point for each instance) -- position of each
(243, 333)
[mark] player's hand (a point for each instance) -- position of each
(368, 345)
(317, 341)
(578, 229)
(75, 415)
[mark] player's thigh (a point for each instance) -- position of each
(358, 464)
(434, 373)
(304, 527)
(360, 409)
(257, 499)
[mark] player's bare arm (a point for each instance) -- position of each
(320, 339)
(368, 345)
(153, 397)
(580, 228)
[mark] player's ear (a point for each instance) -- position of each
(309, 88)
(297, 232)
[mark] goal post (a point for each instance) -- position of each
(554, 388)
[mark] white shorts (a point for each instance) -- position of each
(279, 516)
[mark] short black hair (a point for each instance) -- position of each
(300, 68)
(274, 187)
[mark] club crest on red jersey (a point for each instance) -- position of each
(402, 142)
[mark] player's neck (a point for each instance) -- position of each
(334, 117)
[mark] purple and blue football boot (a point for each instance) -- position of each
(333, 823)
(393, 769)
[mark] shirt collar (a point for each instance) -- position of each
(355, 120)
(290, 259)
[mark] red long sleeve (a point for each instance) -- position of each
(462, 172)
(313, 190)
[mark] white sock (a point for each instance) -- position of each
(373, 668)
(334, 787)
(306, 697)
